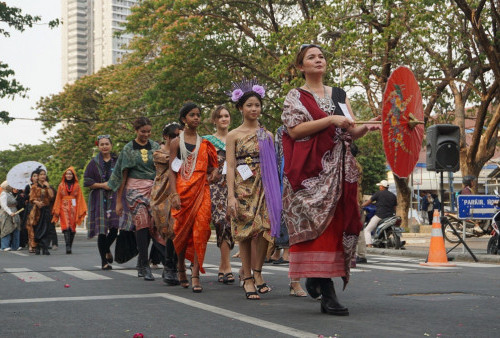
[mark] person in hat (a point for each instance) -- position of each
(10, 222)
(386, 203)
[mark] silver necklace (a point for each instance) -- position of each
(188, 157)
(325, 104)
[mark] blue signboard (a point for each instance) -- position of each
(476, 206)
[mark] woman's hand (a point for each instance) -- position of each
(374, 126)
(213, 176)
(176, 201)
(119, 207)
(341, 121)
(105, 186)
(232, 204)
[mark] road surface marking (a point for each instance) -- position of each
(81, 274)
(390, 268)
(205, 307)
(28, 275)
(133, 272)
(415, 266)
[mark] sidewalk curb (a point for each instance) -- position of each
(459, 257)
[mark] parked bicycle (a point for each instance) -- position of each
(473, 228)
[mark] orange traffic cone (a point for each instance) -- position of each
(437, 251)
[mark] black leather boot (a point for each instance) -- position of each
(140, 269)
(313, 287)
(67, 240)
(329, 301)
(148, 275)
(169, 276)
(71, 238)
(45, 250)
(37, 249)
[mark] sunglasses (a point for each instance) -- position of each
(307, 45)
(103, 136)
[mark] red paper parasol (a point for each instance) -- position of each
(402, 129)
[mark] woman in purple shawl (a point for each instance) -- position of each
(254, 198)
(102, 218)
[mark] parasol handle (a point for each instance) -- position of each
(19, 211)
(412, 123)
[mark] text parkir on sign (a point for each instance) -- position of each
(476, 206)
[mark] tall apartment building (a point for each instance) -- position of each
(88, 41)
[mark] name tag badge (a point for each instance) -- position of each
(344, 109)
(176, 164)
(73, 202)
(224, 168)
(244, 171)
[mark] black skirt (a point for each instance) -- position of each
(43, 223)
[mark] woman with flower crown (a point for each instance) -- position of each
(134, 174)
(218, 194)
(254, 198)
(193, 164)
(320, 181)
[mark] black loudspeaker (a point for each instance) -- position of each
(443, 148)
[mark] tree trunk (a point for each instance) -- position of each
(403, 195)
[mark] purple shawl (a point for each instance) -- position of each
(270, 180)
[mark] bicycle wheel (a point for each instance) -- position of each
(448, 233)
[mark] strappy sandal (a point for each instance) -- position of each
(220, 277)
(263, 285)
(297, 293)
(250, 294)
(228, 278)
(196, 288)
(183, 282)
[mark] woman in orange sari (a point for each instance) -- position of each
(69, 207)
(192, 164)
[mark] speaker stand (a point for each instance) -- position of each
(444, 219)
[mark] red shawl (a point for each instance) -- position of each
(319, 171)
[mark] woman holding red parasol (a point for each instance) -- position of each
(320, 183)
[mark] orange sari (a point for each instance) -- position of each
(192, 221)
(69, 207)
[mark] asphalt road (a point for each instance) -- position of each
(390, 296)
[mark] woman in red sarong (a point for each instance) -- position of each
(192, 164)
(320, 183)
(69, 207)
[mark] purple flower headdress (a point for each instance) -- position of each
(245, 86)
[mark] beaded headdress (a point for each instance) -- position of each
(245, 86)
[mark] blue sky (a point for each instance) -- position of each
(35, 56)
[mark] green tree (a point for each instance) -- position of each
(14, 18)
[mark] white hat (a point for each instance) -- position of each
(384, 183)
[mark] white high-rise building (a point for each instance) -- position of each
(88, 41)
